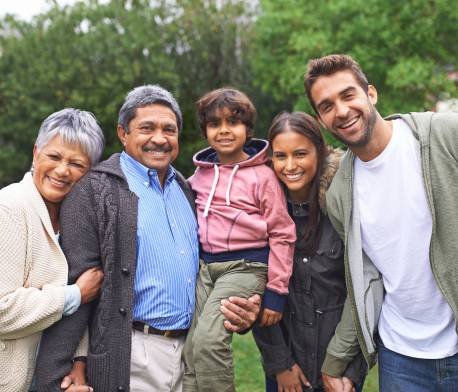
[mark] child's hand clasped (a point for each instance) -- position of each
(269, 317)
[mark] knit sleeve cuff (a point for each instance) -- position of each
(273, 300)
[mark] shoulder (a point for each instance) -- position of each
(14, 199)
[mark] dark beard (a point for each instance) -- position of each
(367, 135)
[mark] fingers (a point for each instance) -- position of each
(80, 388)
(302, 377)
(66, 382)
(347, 385)
(255, 300)
(269, 317)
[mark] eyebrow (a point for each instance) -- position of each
(341, 93)
(160, 123)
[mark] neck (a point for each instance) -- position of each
(234, 158)
(299, 196)
(381, 136)
(53, 210)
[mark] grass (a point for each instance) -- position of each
(249, 376)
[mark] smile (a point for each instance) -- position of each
(349, 123)
(157, 153)
(294, 177)
(57, 183)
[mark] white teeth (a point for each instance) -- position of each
(57, 182)
(349, 123)
(293, 177)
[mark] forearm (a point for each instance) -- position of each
(343, 347)
(276, 355)
(26, 311)
(58, 346)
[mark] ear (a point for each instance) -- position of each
(34, 153)
(372, 94)
(121, 134)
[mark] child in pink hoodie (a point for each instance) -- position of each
(246, 235)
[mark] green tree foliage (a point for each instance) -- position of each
(91, 54)
(405, 47)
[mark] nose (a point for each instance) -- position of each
(158, 137)
(62, 169)
(341, 109)
(290, 163)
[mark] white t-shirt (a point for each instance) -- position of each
(396, 227)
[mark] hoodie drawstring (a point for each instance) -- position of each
(228, 190)
(213, 188)
(212, 191)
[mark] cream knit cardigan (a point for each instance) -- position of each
(33, 273)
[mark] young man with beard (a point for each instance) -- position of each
(134, 216)
(394, 202)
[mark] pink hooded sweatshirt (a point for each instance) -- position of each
(242, 207)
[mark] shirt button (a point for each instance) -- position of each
(305, 259)
(120, 388)
(122, 311)
(189, 280)
(181, 252)
(125, 271)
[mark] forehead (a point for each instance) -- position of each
(58, 144)
(221, 112)
(155, 113)
(290, 141)
(328, 86)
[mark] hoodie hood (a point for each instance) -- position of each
(255, 148)
(208, 159)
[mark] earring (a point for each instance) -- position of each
(31, 169)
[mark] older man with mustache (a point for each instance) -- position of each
(133, 214)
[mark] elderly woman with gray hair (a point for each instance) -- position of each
(33, 270)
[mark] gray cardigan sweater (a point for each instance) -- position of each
(98, 227)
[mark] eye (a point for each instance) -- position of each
(325, 108)
(212, 124)
(301, 154)
(78, 165)
(146, 129)
(279, 156)
(54, 157)
(170, 129)
(233, 121)
(348, 97)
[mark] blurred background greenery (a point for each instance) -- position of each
(249, 376)
(90, 54)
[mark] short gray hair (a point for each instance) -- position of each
(74, 127)
(143, 96)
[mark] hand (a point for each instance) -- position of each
(269, 317)
(240, 313)
(75, 381)
(89, 284)
(291, 380)
(337, 384)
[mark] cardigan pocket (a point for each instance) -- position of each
(6, 361)
(98, 371)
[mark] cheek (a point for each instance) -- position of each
(277, 167)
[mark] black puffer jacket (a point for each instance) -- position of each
(315, 302)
